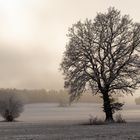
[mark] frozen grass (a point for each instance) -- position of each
(68, 131)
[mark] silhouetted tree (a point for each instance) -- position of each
(10, 106)
(103, 55)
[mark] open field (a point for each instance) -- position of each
(49, 122)
(76, 112)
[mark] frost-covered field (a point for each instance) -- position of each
(44, 131)
(50, 122)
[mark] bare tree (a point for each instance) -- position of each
(103, 55)
(10, 106)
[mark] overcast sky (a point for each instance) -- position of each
(33, 37)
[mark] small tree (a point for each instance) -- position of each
(10, 106)
(103, 55)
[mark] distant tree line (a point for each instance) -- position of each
(50, 96)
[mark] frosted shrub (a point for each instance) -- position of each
(119, 119)
(95, 121)
(10, 106)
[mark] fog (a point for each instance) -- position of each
(33, 37)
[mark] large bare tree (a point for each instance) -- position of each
(103, 55)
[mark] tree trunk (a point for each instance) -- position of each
(107, 108)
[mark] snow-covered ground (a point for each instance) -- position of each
(50, 122)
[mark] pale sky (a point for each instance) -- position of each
(33, 37)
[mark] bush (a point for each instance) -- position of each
(63, 103)
(95, 121)
(10, 106)
(119, 119)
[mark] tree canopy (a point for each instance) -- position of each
(103, 53)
